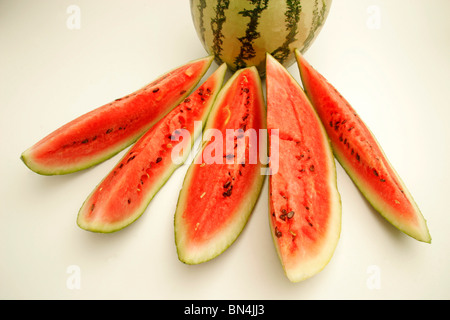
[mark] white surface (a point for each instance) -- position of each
(394, 71)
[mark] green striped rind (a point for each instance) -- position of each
(241, 32)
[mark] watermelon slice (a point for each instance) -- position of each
(305, 206)
(224, 181)
(103, 132)
(125, 193)
(357, 150)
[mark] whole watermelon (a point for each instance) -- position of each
(240, 32)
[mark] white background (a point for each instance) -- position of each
(392, 64)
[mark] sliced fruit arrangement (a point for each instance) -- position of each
(359, 153)
(224, 181)
(304, 202)
(240, 32)
(307, 129)
(126, 191)
(103, 132)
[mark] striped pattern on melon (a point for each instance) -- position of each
(240, 32)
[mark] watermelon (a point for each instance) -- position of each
(240, 32)
(126, 191)
(362, 157)
(224, 181)
(106, 130)
(304, 202)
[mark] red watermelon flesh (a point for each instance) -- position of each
(359, 153)
(103, 132)
(305, 207)
(223, 183)
(126, 191)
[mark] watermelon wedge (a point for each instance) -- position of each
(359, 153)
(126, 191)
(103, 132)
(224, 181)
(305, 206)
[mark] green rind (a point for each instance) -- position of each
(420, 235)
(247, 50)
(302, 272)
(234, 231)
(240, 32)
(292, 15)
(26, 158)
(110, 228)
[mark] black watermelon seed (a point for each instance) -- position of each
(278, 233)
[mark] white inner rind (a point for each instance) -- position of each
(416, 227)
(98, 224)
(40, 167)
(306, 263)
(226, 235)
